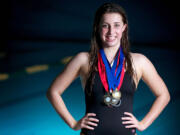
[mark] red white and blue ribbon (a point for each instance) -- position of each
(111, 78)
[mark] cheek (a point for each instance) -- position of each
(119, 33)
(103, 31)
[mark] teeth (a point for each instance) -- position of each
(110, 38)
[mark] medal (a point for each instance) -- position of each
(116, 94)
(107, 99)
(111, 78)
(111, 101)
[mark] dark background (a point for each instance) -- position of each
(32, 22)
(152, 22)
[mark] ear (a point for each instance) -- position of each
(124, 27)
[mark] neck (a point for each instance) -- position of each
(111, 52)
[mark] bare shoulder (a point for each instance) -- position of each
(78, 60)
(143, 66)
(82, 57)
(84, 70)
(74, 67)
(149, 74)
(140, 59)
(72, 70)
(137, 60)
(139, 63)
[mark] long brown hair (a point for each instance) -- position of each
(96, 41)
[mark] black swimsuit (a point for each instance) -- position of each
(110, 122)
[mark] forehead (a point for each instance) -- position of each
(111, 17)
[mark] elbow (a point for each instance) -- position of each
(165, 97)
(51, 93)
(168, 98)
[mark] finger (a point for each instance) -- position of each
(127, 122)
(127, 113)
(131, 126)
(93, 119)
(131, 116)
(91, 123)
(91, 114)
(126, 118)
(88, 127)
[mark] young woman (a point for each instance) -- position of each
(110, 74)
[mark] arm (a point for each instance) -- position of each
(158, 88)
(62, 81)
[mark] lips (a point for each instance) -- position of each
(110, 38)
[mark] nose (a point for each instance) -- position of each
(111, 30)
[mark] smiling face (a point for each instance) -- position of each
(111, 29)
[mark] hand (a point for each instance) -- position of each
(133, 121)
(86, 122)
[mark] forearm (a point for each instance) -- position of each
(157, 107)
(58, 103)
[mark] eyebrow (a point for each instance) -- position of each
(114, 22)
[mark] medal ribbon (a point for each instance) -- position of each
(111, 78)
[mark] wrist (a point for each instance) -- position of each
(142, 125)
(73, 125)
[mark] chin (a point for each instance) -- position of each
(109, 44)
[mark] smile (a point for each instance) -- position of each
(110, 39)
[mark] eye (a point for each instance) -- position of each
(104, 26)
(117, 25)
